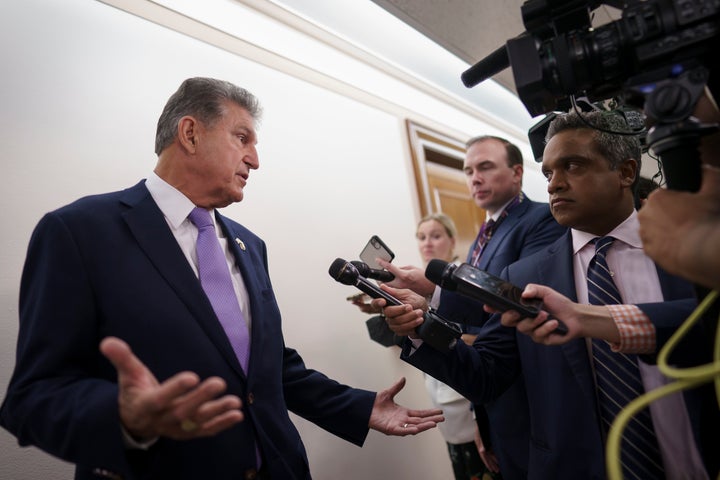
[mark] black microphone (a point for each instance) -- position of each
(348, 274)
(494, 63)
(435, 330)
(367, 272)
(481, 285)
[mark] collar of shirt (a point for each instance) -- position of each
(500, 210)
(176, 207)
(627, 232)
(635, 273)
(172, 203)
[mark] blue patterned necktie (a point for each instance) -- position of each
(217, 283)
(618, 380)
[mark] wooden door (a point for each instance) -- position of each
(437, 163)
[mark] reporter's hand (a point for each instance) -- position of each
(581, 320)
(409, 277)
(403, 319)
(487, 456)
(181, 407)
(681, 230)
(360, 301)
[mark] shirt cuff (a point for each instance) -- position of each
(131, 443)
(434, 300)
(414, 344)
(637, 332)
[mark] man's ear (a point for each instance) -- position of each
(628, 170)
(518, 172)
(187, 131)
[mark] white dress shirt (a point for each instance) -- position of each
(176, 207)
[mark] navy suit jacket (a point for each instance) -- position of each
(527, 228)
(566, 442)
(109, 265)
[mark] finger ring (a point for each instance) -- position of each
(188, 426)
(405, 426)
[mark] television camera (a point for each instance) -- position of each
(655, 57)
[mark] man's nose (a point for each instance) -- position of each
(555, 183)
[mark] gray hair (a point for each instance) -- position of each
(615, 148)
(203, 98)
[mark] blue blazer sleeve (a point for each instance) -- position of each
(480, 372)
(61, 398)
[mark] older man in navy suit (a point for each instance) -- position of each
(590, 174)
(124, 365)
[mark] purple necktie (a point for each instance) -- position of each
(489, 227)
(486, 231)
(217, 283)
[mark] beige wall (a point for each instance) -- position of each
(81, 89)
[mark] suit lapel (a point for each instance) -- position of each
(506, 226)
(149, 228)
(248, 270)
(556, 271)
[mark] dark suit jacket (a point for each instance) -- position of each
(566, 442)
(527, 228)
(109, 265)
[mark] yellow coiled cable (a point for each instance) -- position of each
(686, 378)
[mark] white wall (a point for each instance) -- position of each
(82, 86)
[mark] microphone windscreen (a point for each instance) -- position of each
(343, 271)
(434, 270)
(336, 268)
(362, 267)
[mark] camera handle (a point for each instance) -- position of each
(675, 138)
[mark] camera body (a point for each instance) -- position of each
(657, 57)
(562, 55)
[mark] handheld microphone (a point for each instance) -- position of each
(367, 272)
(480, 285)
(347, 273)
(435, 330)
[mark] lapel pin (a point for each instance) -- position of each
(240, 242)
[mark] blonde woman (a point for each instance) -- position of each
(436, 235)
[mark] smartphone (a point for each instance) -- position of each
(376, 248)
(494, 291)
(358, 296)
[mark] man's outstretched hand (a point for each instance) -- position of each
(181, 407)
(392, 419)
